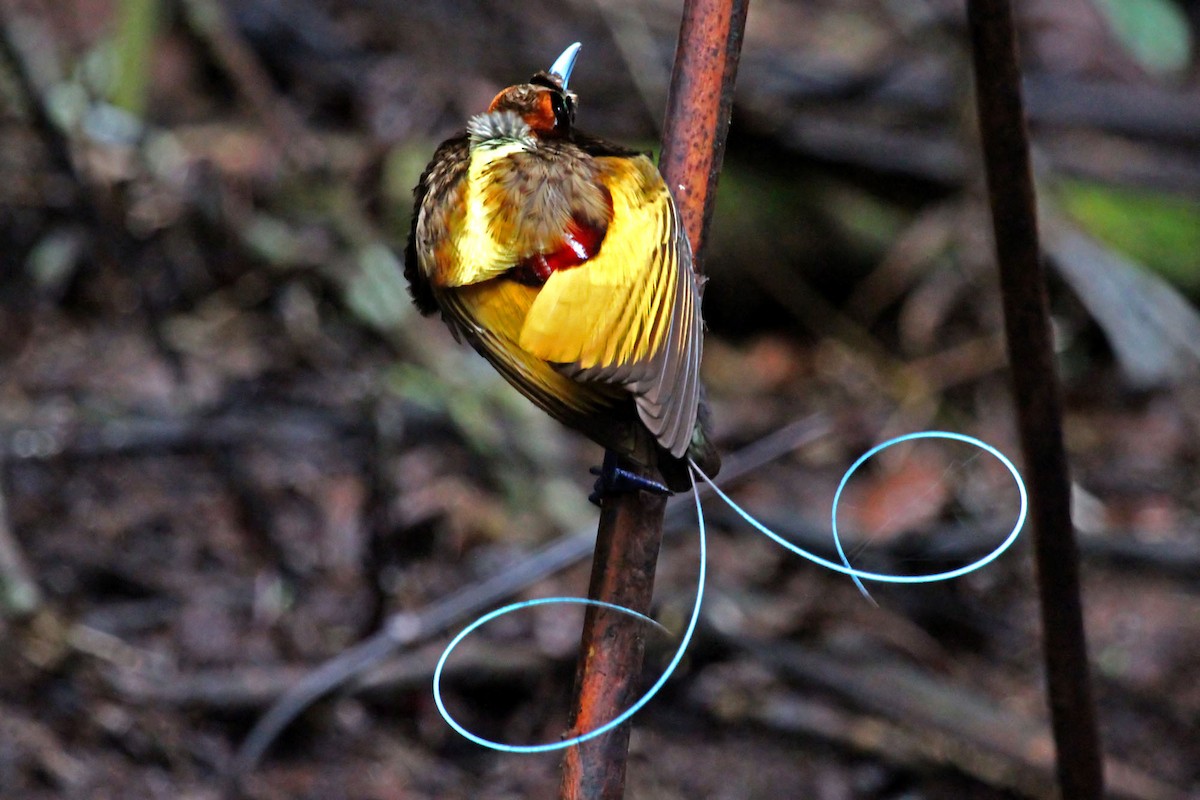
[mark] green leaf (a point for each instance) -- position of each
(1155, 32)
(1160, 231)
(134, 44)
(377, 293)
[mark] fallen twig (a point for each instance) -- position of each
(410, 628)
(915, 718)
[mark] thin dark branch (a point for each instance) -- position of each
(1037, 394)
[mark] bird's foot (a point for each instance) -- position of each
(614, 479)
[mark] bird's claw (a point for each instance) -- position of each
(617, 480)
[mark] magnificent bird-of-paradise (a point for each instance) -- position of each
(561, 259)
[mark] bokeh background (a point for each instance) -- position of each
(231, 449)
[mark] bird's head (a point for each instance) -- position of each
(544, 102)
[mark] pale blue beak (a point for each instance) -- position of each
(565, 63)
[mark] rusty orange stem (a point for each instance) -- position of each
(630, 532)
(699, 105)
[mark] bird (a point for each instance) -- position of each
(561, 258)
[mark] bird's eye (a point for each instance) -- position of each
(564, 111)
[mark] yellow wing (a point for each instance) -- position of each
(629, 316)
(490, 315)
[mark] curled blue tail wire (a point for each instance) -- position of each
(857, 575)
(615, 721)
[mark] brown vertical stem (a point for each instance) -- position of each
(630, 531)
(607, 678)
(1037, 395)
(698, 108)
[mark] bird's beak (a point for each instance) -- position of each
(565, 63)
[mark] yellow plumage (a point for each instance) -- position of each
(495, 310)
(483, 247)
(561, 259)
(611, 312)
